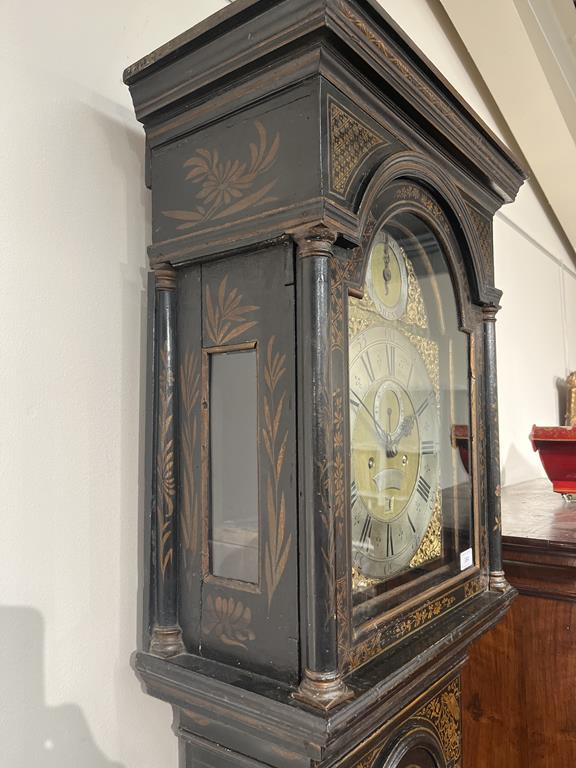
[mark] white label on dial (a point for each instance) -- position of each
(466, 559)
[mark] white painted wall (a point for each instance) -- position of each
(73, 235)
(73, 231)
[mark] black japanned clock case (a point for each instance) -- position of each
(280, 135)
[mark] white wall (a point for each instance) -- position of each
(73, 235)
(536, 332)
(73, 231)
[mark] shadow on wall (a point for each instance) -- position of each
(515, 468)
(31, 733)
(562, 394)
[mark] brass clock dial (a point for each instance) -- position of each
(394, 450)
(394, 423)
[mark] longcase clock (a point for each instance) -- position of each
(323, 518)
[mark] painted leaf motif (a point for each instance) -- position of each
(228, 620)
(277, 548)
(281, 455)
(189, 396)
(271, 156)
(193, 216)
(165, 479)
(237, 331)
(269, 569)
(226, 316)
(248, 202)
(272, 527)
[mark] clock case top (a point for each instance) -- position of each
(277, 132)
(344, 90)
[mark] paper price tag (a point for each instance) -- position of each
(466, 559)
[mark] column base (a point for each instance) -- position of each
(323, 690)
(498, 582)
(167, 642)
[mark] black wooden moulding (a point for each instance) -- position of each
(279, 134)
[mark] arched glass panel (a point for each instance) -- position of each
(409, 377)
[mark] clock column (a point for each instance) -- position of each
(322, 685)
(493, 488)
(166, 637)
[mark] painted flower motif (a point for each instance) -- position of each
(223, 182)
(228, 187)
(229, 620)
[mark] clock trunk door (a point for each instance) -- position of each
(237, 478)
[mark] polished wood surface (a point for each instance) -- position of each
(539, 540)
(532, 511)
(519, 703)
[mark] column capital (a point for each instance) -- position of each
(489, 313)
(165, 277)
(315, 240)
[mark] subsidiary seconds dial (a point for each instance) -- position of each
(394, 450)
(387, 278)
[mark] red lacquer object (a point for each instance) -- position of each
(557, 448)
(461, 440)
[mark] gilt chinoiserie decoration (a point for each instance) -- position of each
(323, 515)
(571, 400)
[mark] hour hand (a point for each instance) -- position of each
(383, 436)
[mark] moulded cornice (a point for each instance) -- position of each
(265, 34)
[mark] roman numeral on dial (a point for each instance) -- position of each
(368, 366)
(411, 371)
(423, 405)
(427, 447)
(423, 489)
(391, 359)
(389, 541)
(366, 533)
(353, 493)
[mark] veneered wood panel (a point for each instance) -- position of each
(519, 705)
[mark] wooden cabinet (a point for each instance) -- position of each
(519, 694)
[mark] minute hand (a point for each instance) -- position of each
(382, 436)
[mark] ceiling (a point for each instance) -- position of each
(525, 51)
